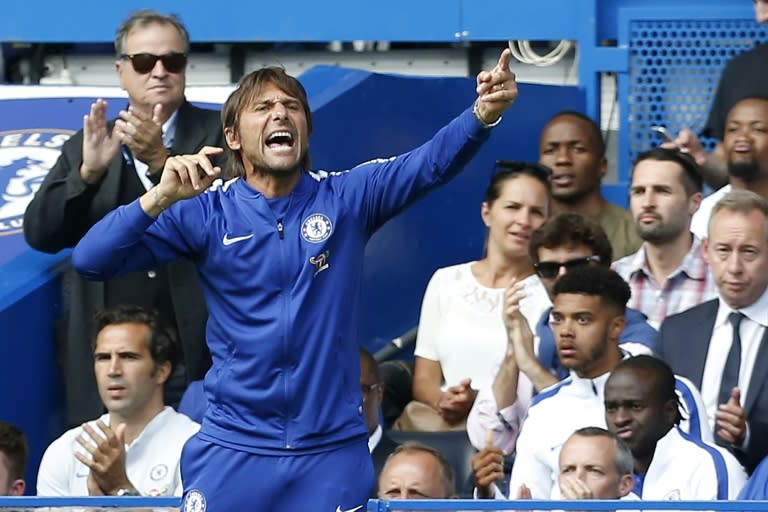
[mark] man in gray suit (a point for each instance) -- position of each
(111, 163)
(722, 345)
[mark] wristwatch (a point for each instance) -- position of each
(127, 492)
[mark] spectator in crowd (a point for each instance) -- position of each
(641, 407)
(745, 146)
(572, 145)
(107, 164)
(280, 259)
(415, 471)
(564, 242)
(461, 337)
(379, 443)
(587, 318)
(593, 464)
(668, 274)
(134, 449)
(737, 82)
(14, 454)
(721, 345)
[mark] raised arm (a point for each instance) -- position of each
(70, 199)
(381, 188)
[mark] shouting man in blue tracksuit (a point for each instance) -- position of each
(279, 250)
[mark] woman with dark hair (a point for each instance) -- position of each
(461, 339)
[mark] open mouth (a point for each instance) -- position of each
(280, 139)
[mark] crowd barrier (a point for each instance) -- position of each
(97, 503)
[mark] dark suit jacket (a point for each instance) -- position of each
(63, 210)
(385, 447)
(683, 344)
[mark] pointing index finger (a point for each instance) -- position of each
(503, 63)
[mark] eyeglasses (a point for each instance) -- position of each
(143, 63)
(550, 269)
(367, 388)
(515, 166)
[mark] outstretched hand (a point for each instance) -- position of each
(496, 89)
(184, 176)
(688, 142)
(99, 145)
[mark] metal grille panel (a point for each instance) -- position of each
(674, 70)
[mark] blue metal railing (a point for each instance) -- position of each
(581, 505)
(126, 502)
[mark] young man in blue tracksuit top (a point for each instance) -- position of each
(279, 250)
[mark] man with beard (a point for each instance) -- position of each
(745, 144)
(587, 318)
(641, 408)
(279, 251)
(668, 273)
(572, 146)
(742, 77)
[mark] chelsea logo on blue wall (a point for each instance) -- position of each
(26, 156)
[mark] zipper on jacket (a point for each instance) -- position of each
(280, 229)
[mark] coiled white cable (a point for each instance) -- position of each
(522, 51)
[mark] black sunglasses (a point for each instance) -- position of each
(550, 269)
(143, 63)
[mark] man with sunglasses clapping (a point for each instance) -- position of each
(111, 163)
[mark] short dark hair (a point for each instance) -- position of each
(513, 169)
(248, 89)
(593, 127)
(691, 175)
(666, 383)
(13, 443)
(143, 18)
(568, 229)
(163, 345)
(596, 281)
(665, 376)
(446, 469)
(625, 462)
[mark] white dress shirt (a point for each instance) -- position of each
(751, 329)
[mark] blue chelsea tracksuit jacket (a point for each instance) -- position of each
(282, 290)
